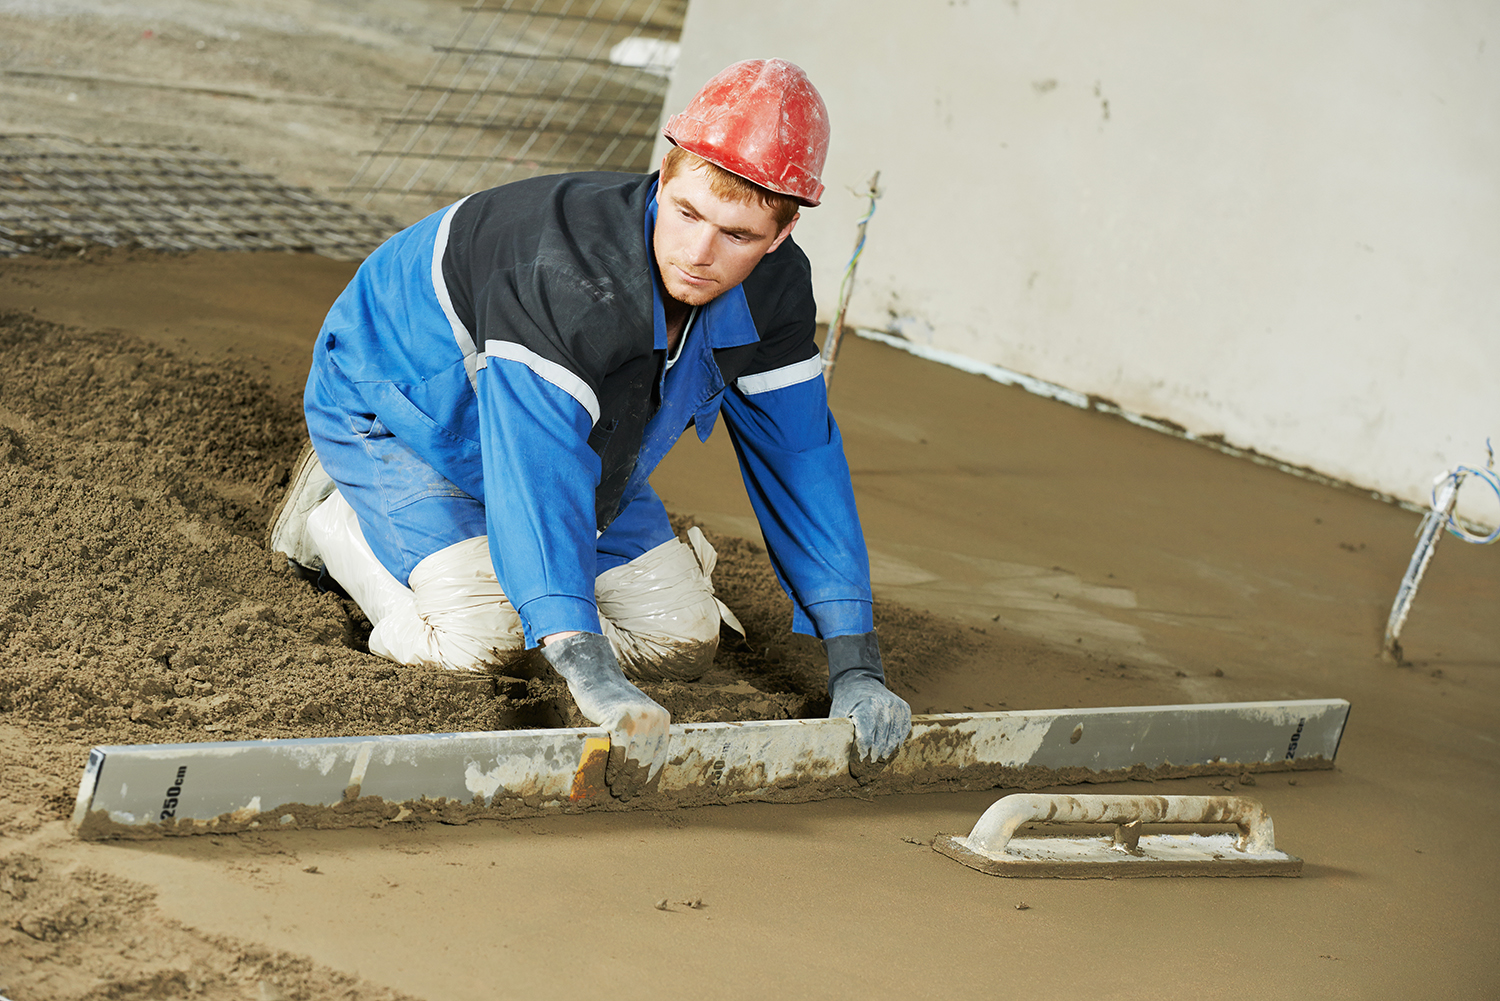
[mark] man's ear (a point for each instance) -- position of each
(780, 237)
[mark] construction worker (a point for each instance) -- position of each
(492, 390)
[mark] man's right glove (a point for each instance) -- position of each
(856, 682)
(638, 727)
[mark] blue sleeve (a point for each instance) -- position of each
(539, 481)
(792, 458)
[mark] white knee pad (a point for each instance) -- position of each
(347, 557)
(454, 615)
(659, 611)
(471, 622)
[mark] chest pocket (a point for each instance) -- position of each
(709, 395)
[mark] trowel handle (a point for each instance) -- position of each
(995, 828)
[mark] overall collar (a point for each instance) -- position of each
(724, 323)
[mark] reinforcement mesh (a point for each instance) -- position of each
(59, 194)
(528, 87)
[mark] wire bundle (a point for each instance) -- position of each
(845, 286)
(1456, 477)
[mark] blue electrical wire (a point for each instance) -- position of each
(859, 248)
(1456, 477)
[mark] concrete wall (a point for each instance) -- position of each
(1278, 221)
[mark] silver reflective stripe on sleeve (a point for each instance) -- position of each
(549, 371)
(461, 335)
(780, 378)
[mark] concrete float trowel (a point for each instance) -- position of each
(992, 846)
(155, 789)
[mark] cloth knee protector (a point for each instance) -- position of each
(659, 611)
(470, 621)
(334, 528)
(454, 615)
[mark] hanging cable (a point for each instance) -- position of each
(1429, 532)
(846, 283)
(830, 351)
(1456, 477)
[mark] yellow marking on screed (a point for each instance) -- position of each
(588, 781)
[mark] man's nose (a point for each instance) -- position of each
(701, 245)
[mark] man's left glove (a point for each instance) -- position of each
(856, 682)
(638, 727)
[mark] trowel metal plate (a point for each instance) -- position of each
(191, 788)
(1097, 858)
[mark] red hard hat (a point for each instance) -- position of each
(763, 120)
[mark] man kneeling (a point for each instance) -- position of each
(492, 390)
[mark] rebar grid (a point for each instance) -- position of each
(57, 193)
(525, 87)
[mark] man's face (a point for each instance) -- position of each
(705, 245)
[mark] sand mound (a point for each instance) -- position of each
(138, 604)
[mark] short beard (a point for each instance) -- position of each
(692, 296)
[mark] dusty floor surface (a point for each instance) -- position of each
(1062, 558)
(1027, 556)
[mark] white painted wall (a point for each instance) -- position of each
(1277, 221)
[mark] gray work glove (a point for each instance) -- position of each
(856, 682)
(638, 727)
